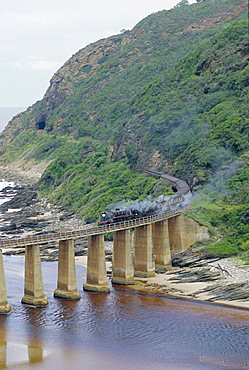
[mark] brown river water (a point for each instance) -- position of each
(118, 331)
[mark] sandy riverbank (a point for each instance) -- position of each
(163, 284)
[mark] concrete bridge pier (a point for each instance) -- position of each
(4, 306)
(96, 280)
(33, 284)
(176, 233)
(66, 284)
(143, 259)
(122, 261)
(161, 244)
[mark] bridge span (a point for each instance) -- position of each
(138, 245)
(86, 232)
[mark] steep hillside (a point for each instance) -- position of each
(170, 94)
(6, 113)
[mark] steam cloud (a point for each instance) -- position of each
(150, 206)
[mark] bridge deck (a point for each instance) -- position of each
(84, 233)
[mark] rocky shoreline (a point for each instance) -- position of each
(192, 275)
(25, 213)
(213, 280)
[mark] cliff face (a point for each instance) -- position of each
(80, 66)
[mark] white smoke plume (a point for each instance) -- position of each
(149, 206)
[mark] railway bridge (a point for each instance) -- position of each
(154, 239)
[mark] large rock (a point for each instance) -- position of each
(194, 275)
(228, 292)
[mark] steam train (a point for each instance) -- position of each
(131, 212)
(118, 215)
(178, 186)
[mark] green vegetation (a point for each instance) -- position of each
(175, 87)
(81, 176)
(89, 186)
(224, 209)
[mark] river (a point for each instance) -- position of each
(118, 331)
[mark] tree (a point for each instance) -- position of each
(182, 3)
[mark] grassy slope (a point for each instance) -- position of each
(178, 85)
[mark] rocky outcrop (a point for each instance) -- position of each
(81, 65)
(24, 196)
(194, 275)
(229, 292)
(25, 214)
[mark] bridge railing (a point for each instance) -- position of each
(84, 233)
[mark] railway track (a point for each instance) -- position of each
(84, 233)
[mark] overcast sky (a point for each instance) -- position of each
(38, 36)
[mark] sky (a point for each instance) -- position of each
(38, 36)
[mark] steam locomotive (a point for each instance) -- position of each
(118, 215)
